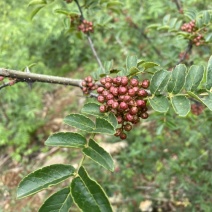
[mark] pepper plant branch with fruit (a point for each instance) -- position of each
(122, 98)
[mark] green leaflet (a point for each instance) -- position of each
(131, 61)
(159, 103)
(159, 81)
(177, 79)
(181, 105)
(99, 155)
(194, 77)
(66, 139)
(91, 108)
(43, 178)
(103, 126)
(60, 201)
(209, 74)
(80, 121)
(88, 194)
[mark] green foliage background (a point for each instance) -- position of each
(172, 155)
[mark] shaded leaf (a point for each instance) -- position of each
(37, 2)
(209, 74)
(99, 155)
(103, 126)
(80, 122)
(206, 100)
(177, 79)
(140, 62)
(147, 65)
(131, 61)
(66, 139)
(60, 201)
(88, 194)
(194, 77)
(113, 120)
(114, 71)
(133, 71)
(92, 109)
(35, 11)
(191, 14)
(66, 12)
(159, 81)
(181, 105)
(159, 103)
(43, 178)
(108, 65)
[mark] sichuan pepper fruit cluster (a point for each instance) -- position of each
(125, 98)
(197, 109)
(86, 26)
(190, 27)
(88, 85)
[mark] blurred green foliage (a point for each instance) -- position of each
(168, 157)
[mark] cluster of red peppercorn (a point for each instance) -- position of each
(198, 40)
(125, 98)
(88, 85)
(182, 55)
(86, 26)
(190, 27)
(197, 109)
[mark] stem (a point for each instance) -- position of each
(89, 38)
(178, 4)
(80, 163)
(187, 51)
(151, 44)
(94, 52)
(31, 77)
(80, 10)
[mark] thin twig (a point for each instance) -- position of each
(80, 10)
(31, 77)
(10, 83)
(94, 52)
(187, 51)
(89, 38)
(178, 4)
(122, 45)
(151, 44)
